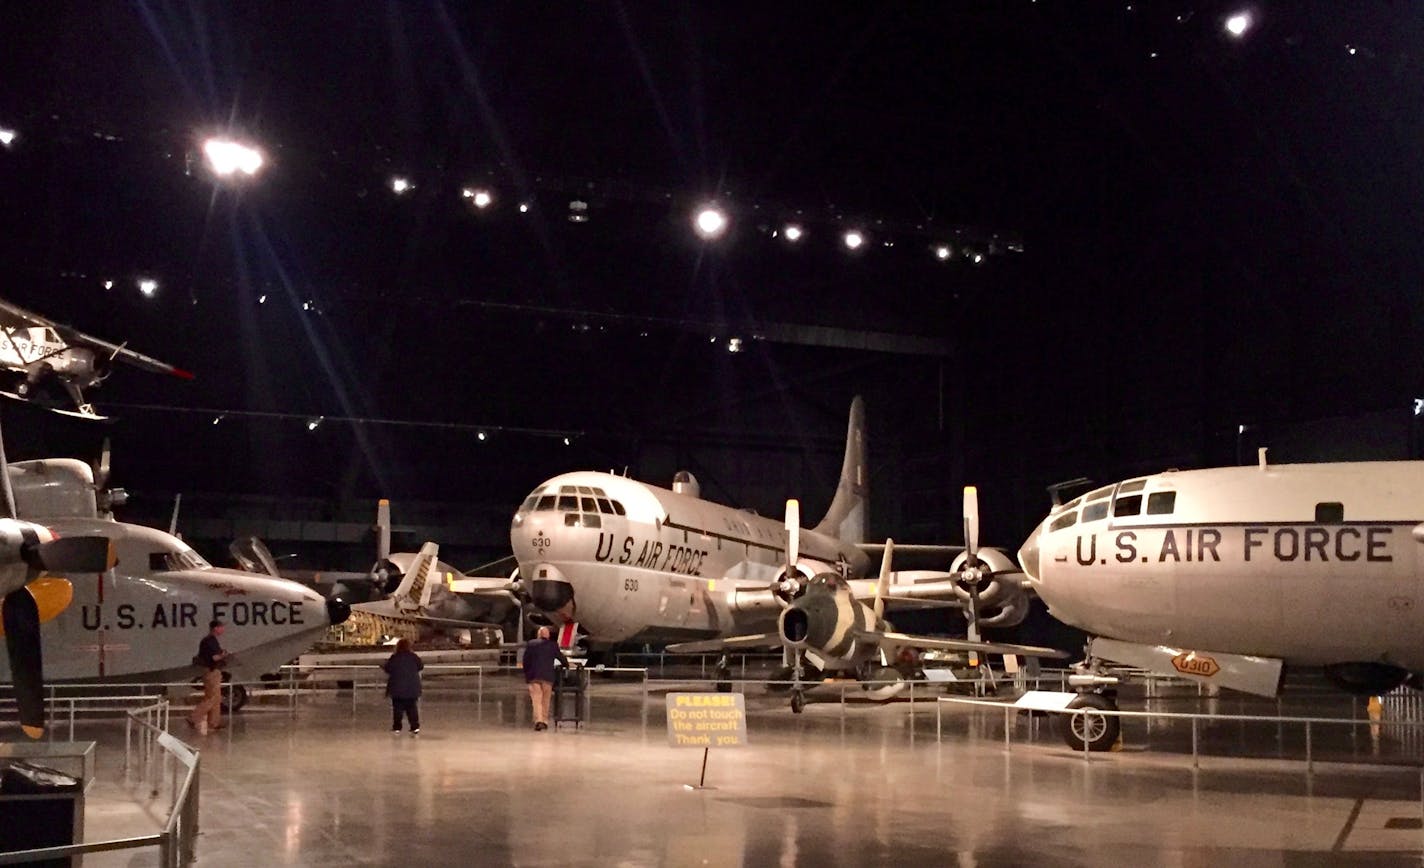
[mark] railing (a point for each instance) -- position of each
(159, 756)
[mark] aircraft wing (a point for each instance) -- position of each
(13, 316)
(757, 640)
(878, 549)
(911, 585)
(929, 644)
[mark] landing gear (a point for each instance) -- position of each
(238, 692)
(779, 680)
(723, 674)
(1099, 732)
(798, 701)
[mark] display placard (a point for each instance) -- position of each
(706, 720)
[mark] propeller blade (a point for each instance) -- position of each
(793, 534)
(101, 466)
(21, 617)
(971, 520)
(884, 583)
(383, 530)
(73, 554)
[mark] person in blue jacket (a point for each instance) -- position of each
(403, 686)
(539, 656)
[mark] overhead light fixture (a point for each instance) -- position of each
(943, 252)
(710, 221)
(734, 345)
(227, 158)
(262, 299)
(853, 239)
(578, 211)
(482, 436)
(792, 232)
(523, 207)
(566, 441)
(1238, 24)
(217, 419)
(401, 185)
(313, 424)
(7, 137)
(977, 258)
(148, 286)
(481, 198)
(108, 284)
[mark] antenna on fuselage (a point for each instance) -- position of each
(1261, 457)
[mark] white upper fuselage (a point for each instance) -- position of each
(143, 620)
(1310, 563)
(647, 564)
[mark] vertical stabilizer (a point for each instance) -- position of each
(413, 594)
(846, 519)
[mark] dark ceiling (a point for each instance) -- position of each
(1214, 230)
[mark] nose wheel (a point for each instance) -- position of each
(798, 701)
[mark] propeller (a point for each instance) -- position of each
(387, 575)
(21, 617)
(883, 585)
(105, 498)
(788, 585)
(972, 573)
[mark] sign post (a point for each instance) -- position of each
(706, 720)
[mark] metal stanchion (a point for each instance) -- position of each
(1008, 709)
(939, 717)
(1196, 761)
(1309, 761)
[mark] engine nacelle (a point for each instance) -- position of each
(790, 585)
(1003, 602)
(54, 488)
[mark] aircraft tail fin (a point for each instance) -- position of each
(846, 519)
(413, 593)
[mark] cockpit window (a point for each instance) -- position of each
(1095, 511)
(1130, 487)
(163, 562)
(598, 492)
(575, 519)
(605, 506)
(1127, 505)
(568, 502)
(546, 503)
(1073, 504)
(1067, 519)
(618, 508)
(584, 489)
(567, 489)
(1161, 502)
(528, 503)
(588, 504)
(1098, 495)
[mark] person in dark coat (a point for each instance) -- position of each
(403, 686)
(213, 659)
(539, 657)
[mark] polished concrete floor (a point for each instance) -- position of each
(859, 785)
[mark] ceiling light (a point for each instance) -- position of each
(108, 284)
(7, 137)
(400, 185)
(792, 232)
(481, 198)
(853, 239)
(148, 286)
(566, 441)
(578, 211)
(734, 345)
(262, 299)
(313, 424)
(943, 252)
(523, 207)
(483, 436)
(227, 158)
(1238, 24)
(710, 222)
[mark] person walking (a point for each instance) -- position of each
(211, 656)
(403, 686)
(539, 656)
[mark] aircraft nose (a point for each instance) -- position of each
(337, 610)
(1028, 554)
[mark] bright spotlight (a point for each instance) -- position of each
(262, 299)
(978, 258)
(566, 441)
(853, 239)
(400, 185)
(227, 158)
(313, 424)
(148, 286)
(734, 345)
(7, 137)
(1238, 24)
(482, 436)
(710, 222)
(523, 207)
(942, 252)
(481, 198)
(108, 284)
(792, 232)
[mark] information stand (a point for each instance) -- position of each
(706, 720)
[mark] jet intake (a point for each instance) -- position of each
(795, 625)
(337, 610)
(551, 595)
(1365, 679)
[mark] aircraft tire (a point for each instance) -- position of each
(239, 698)
(1100, 731)
(798, 702)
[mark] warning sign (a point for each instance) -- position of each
(706, 720)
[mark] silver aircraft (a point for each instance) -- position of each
(1232, 575)
(38, 352)
(141, 620)
(632, 562)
